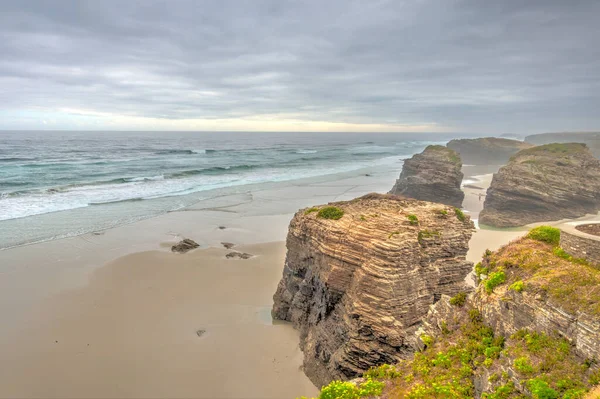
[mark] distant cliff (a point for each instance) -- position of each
(591, 139)
(433, 175)
(487, 150)
(530, 330)
(359, 277)
(544, 183)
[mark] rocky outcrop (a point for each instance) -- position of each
(358, 284)
(433, 175)
(544, 183)
(487, 150)
(184, 246)
(591, 139)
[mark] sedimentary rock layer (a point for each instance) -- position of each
(433, 175)
(487, 150)
(544, 183)
(357, 287)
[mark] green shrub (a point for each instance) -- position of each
(460, 214)
(442, 212)
(311, 210)
(331, 212)
(561, 253)
(385, 371)
(541, 390)
(517, 286)
(550, 235)
(494, 280)
(480, 269)
(459, 299)
(523, 365)
(427, 339)
(413, 219)
(427, 234)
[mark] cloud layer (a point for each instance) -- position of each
(505, 66)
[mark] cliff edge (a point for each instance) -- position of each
(359, 277)
(544, 183)
(433, 175)
(487, 150)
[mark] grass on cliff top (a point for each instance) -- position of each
(554, 149)
(450, 153)
(540, 266)
(446, 367)
(330, 212)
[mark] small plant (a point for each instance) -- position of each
(487, 253)
(442, 212)
(413, 219)
(423, 234)
(393, 233)
(547, 234)
(331, 212)
(481, 270)
(460, 214)
(541, 390)
(427, 339)
(494, 280)
(311, 210)
(459, 299)
(517, 286)
(523, 365)
(385, 371)
(561, 253)
(363, 218)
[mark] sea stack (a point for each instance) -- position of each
(487, 150)
(544, 183)
(433, 175)
(359, 277)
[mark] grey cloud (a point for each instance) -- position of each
(472, 65)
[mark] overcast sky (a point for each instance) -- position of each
(507, 66)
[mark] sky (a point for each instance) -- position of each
(509, 66)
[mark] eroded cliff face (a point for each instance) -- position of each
(358, 287)
(487, 150)
(433, 175)
(544, 183)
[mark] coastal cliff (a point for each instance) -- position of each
(487, 150)
(591, 139)
(531, 329)
(359, 277)
(544, 183)
(433, 175)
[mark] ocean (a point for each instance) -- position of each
(59, 184)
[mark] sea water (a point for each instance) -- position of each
(58, 184)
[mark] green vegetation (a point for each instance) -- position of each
(481, 270)
(442, 212)
(517, 286)
(459, 299)
(460, 214)
(554, 148)
(331, 212)
(348, 390)
(494, 280)
(424, 234)
(363, 218)
(413, 219)
(550, 235)
(558, 251)
(393, 233)
(311, 210)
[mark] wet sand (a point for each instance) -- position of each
(116, 314)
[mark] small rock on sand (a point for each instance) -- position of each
(200, 332)
(184, 246)
(228, 245)
(222, 227)
(239, 255)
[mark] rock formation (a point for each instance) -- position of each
(433, 175)
(530, 330)
(487, 150)
(591, 139)
(184, 245)
(544, 183)
(357, 283)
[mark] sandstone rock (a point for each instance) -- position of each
(184, 245)
(433, 175)
(239, 255)
(544, 183)
(591, 139)
(487, 150)
(356, 288)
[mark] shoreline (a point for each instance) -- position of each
(126, 295)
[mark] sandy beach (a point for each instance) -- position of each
(116, 314)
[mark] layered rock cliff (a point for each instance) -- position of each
(487, 150)
(359, 276)
(433, 175)
(591, 139)
(530, 330)
(544, 183)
